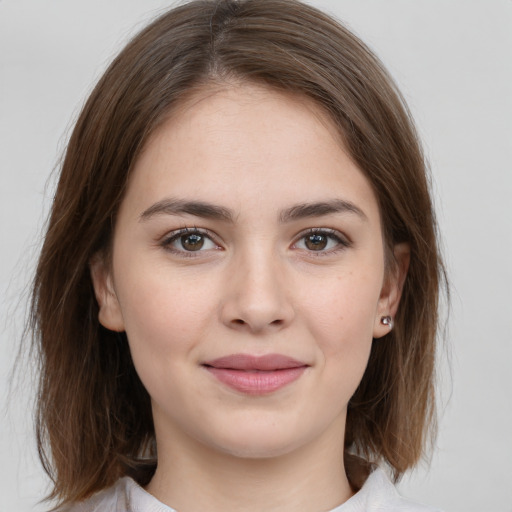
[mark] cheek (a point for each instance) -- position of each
(164, 316)
(342, 318)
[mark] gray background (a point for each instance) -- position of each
(453, 61)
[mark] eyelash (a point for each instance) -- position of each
(176, 235)
(342, 242)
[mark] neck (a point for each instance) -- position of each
(191, 477)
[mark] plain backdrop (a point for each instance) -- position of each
(453, 62)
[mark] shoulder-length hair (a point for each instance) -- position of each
(94, 419)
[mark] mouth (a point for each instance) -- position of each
(256, 375)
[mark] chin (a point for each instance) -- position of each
(257, 449)
(258, 441)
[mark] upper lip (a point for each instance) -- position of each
(249, 362)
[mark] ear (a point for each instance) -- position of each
(109, 315)
(392, 289)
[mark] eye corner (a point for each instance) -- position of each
(200, 241)
(322, 241)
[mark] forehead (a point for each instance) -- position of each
(240, 143)
(202, 105)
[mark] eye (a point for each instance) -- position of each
(189, 240)
(321, 240)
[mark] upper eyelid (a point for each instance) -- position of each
(166, 242)
(344, 239)
(186, 230)
(324, 231)
(174, 234)
(342, 242)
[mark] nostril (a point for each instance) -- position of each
(239, 321)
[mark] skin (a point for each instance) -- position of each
(255, 287)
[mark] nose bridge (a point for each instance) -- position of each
(257, 294)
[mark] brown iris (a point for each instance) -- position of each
(192, 242)
(316, 242)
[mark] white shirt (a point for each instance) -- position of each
(378, 494)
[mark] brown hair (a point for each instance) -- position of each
(94, 418)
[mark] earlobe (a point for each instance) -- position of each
(109, 314)
(392, 291)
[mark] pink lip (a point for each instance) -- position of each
(256, 375)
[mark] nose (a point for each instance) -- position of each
(257, 295)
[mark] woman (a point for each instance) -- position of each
(236, 301)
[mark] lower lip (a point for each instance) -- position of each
(256, 382)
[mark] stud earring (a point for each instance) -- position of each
(387, 320)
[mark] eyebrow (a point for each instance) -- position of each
(319, 209)
(196, 208)
(206, 210)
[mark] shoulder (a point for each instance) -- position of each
(113, 499)
(125, 496)
(378, 494)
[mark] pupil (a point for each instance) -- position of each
(192, 242)
(316, 242)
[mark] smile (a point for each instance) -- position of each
(256, 375)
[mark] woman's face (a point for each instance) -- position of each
(248, 274)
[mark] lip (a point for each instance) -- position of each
(256, 375)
